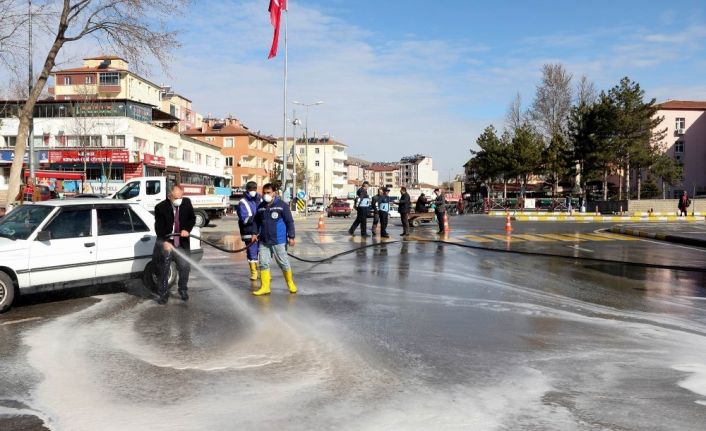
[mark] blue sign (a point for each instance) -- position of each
(301, 195)
(9, 156)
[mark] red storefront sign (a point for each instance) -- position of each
(90, 156)
(156, 161)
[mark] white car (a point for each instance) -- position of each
(57, 244)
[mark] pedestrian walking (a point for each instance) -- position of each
(362, 206)
(247, 208)
(174, 215)
(684, 203)
(374, 209)
(404, 205)
(383, 205)
(439, 209)
(275, 230)
(421, 205)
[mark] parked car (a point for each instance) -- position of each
(90, 196)
(316, 208)
(60, 244)
(339, 209)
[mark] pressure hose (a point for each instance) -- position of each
(466, 246)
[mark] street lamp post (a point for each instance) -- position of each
(306, 145)
(295, 123)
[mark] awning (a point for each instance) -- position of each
(59, 175)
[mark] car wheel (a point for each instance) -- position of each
(201, 218)
(151, 280)
(415, 222)
(7, 292)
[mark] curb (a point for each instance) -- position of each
(651, 219)
(660, 236)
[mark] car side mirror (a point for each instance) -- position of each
(44, 236)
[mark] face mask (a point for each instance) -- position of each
(252, 194)
(267, 198)
(176, 202)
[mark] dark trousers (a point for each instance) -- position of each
(683, 212)
(163, 260)
(440, 220)
(405, 223)
(360, 219)
(384, 217)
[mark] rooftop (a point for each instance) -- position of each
(683, 104)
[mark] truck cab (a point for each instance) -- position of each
(149, 191)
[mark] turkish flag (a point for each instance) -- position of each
(275, 9)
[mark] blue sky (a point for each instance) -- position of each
(403, 77)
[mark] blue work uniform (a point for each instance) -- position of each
(275, 226)
(247, 208)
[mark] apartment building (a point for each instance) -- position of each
(248, 155)
(417, 169)
(107, 142)
(685, 141)
(385, 175)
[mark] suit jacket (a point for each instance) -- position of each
(164, 219)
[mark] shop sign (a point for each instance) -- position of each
(156, 161)
(89, 156)
(8, 156)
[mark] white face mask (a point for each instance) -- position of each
(252, 193)
(176, 202)
(267, 198)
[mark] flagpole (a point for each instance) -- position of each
(284, 109)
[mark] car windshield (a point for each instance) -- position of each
(129, 190)
(22, 221)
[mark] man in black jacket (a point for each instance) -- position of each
(174, 215)
(439, 209)
(403, 206)
(374, 208)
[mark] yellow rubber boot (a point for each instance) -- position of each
(264, 283)
(290, 281)
(253, 271)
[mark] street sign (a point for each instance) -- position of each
(301, 195)
(300, 204)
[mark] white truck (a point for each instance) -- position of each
(149, 191)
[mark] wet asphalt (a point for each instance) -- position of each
(405, 334)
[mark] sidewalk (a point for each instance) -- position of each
(680, 233)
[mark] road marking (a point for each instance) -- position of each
(530, 237)
(673, 245)
(614, 236)
(576, 247)
(587, 236)
(476, 238)
(507, 238)
(559, 237)
(13, 322)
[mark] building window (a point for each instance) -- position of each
(301, 151)
(316, 163)
(172, 152)
(217, 162)
(89, 80)
(119, 141)
(208, 160)
(198, 158)
(10, 141)
(186, 155)
(679, 147)
(67, 80)
(229, 161)
(227, 142)
(680, 124)
(110, 78)
(99, 174)
(158, 149)
(83, 141)
(316, 151)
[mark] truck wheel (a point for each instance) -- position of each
(416, 222)
(7, 292)
(201, 218)
(151, 280)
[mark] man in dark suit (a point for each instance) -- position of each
(174, 215)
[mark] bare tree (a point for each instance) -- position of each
(515, 118)
(586, 94)
(133, 29)
(12, 23)
(552, 102)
